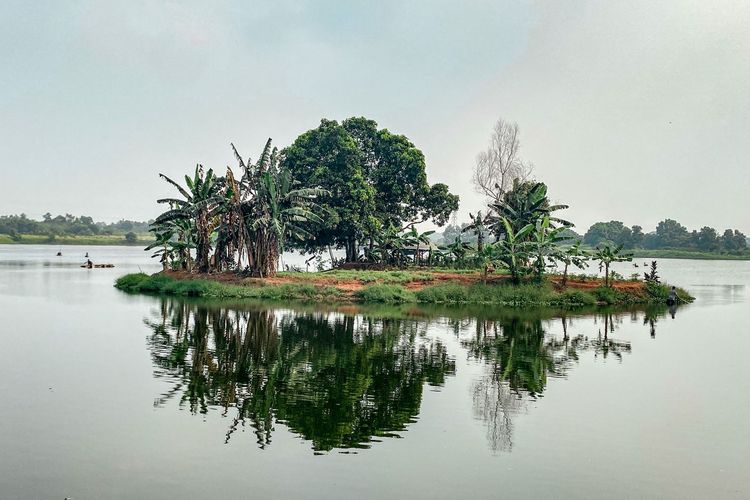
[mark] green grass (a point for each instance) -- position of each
(164, 285)
(40, 239)
(506, 294)
(387, 294)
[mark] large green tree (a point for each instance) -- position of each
(375, 179)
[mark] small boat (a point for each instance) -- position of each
(98, 266)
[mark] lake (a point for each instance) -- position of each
(109, 395)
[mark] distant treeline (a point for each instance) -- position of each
(67, 225)
(668, 234)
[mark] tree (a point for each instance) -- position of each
(574, 255)
(479, 226)
(733, 241)
(328, 157)
(202, 204)
(636, 236)
(545, 242)
(273, 209)
(500, 165)
(131, 237)
(525, 204)
(375, 179)
(671, 234)
(614, 232)
(606, 255)
(514, 249)
(708, 239)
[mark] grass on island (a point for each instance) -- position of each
(388, 291)
(101, 239)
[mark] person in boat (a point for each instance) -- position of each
(89, 264)
(672, 298)
(59, 254)
(87, 255)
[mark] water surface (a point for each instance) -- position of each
(109, 395)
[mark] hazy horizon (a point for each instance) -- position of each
(633, 112)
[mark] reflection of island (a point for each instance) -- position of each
(519, 356)
(342, 379)
(336, 380)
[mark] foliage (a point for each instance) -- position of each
(668, 234)
(525, 204)
(606, 255)
(376, 179)
(573, 255)
(652, 276)
(66, 225)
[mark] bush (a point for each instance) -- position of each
(131, 282)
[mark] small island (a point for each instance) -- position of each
(364, 192)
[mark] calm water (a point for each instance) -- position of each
(107, 395)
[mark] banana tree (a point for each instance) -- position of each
(273, 209)
(606, 255)
(175, 239)
(202, 204)
(413, 238)
(479, 226)
(545, 243)
(457, 251)
(525, 204)
(514, 249)
(574, 255)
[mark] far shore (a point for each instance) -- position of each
(38, 239)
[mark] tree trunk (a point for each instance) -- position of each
(606, 274)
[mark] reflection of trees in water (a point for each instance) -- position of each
(336, 380)
(343, 381)
(519, 357)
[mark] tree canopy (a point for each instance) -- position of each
(375, 179)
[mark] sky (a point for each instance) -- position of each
(634, 111)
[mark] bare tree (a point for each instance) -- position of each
(498, 166)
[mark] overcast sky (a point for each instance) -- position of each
(634, 111)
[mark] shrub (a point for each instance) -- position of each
(131, 282)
